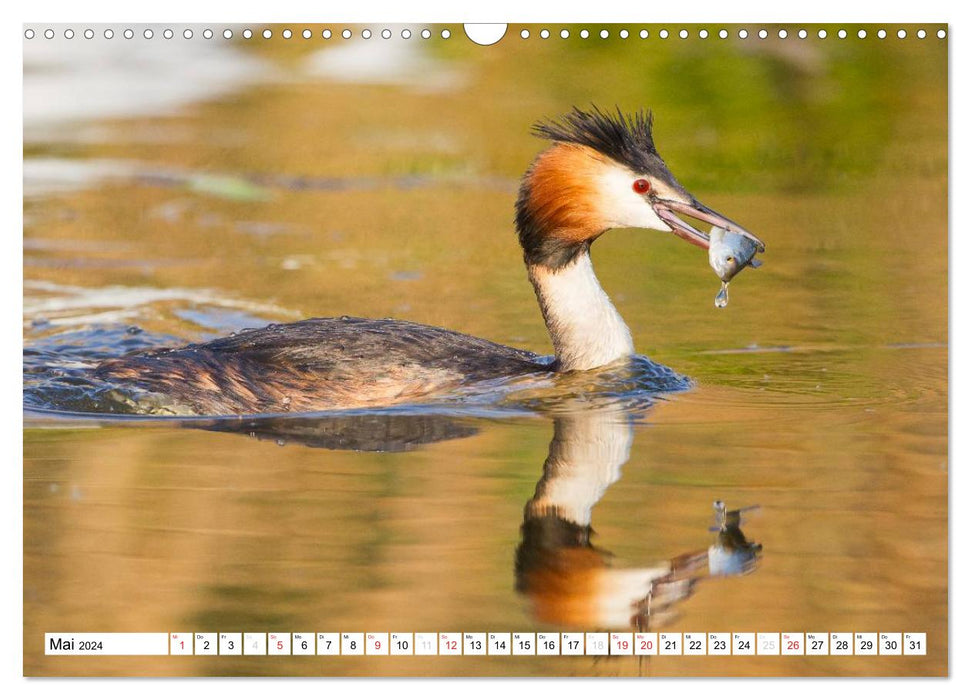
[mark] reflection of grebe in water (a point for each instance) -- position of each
(601, 172)
(569, 581)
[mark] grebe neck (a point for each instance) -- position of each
(586, 330)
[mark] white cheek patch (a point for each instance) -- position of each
(620, 206)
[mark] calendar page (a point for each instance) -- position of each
(463, 350)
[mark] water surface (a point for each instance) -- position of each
(318, 183)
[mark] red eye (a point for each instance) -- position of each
(642, 186)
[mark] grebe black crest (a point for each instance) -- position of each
(601, 171)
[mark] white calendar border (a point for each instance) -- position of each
(11, 652)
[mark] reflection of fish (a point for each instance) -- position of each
(731, 554)
(728, 254)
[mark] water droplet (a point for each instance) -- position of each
(345, 318)
(133, 330)
(721, 299)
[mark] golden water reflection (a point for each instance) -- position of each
(820, 392)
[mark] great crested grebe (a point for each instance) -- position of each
(601, 171)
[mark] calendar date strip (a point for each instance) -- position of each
(486, 644)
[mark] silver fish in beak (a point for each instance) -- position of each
(668, 210)
(728, 254)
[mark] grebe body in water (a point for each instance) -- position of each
(601, 171)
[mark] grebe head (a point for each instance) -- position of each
(602, 172)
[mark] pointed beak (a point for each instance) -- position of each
(668, 210)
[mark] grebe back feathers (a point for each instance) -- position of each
(318, 364)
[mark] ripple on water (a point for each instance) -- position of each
(902, 375)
